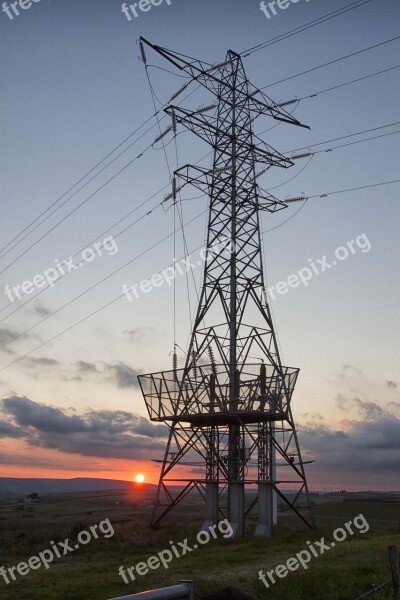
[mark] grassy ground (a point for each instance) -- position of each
(91, 572)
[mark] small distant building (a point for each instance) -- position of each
(33, 498)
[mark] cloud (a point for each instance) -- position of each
(27, 413)
(86, 367)
(7, 335)
(312, 417)
(7, 430)
(40, 310)
(124, 376)
(348, 369)
(368, 446)
(52, 461)
(139, 334)
(32, 362)
(105, 434)
(366, 409)
(391, 384)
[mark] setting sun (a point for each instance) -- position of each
(139, 478)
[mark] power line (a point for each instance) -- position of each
(77, 192)
(153, 246)
(331, 89)
(75, 184)
(362, 187)
(95, 285)
(140, 127)
(77, 253)
(91, 242)
(315, 94)
(131, 212)
(306, 26)
(340, 85)
(375, 137)
(312, 95)
(343, 137)
(336, 60)
(148, 213)
(69, 302)
(155, 115)
(85, 292)
(151, 117)
(355, 189)
(91, 196)
(74, 210)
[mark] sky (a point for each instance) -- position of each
(73, 90)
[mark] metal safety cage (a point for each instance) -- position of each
(262, 392)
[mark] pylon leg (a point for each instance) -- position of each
(236, 509)
(211, 516)
(265, 510)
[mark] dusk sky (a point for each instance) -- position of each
(73, 89)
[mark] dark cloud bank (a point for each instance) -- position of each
(104, 433)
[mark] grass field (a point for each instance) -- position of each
(91, 572)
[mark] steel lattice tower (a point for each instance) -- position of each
(224, 410)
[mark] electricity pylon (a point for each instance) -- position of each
(226, 412)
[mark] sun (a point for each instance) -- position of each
(139, 478)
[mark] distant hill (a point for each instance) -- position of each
(21, 487)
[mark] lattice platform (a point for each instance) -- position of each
(202, 394)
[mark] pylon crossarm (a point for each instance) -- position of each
(196, 123)
(199, 125)
(204, 73)
(268, 107)
(201, 178)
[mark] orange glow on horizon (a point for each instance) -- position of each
(20, 460)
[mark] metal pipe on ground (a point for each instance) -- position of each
(183, 591)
